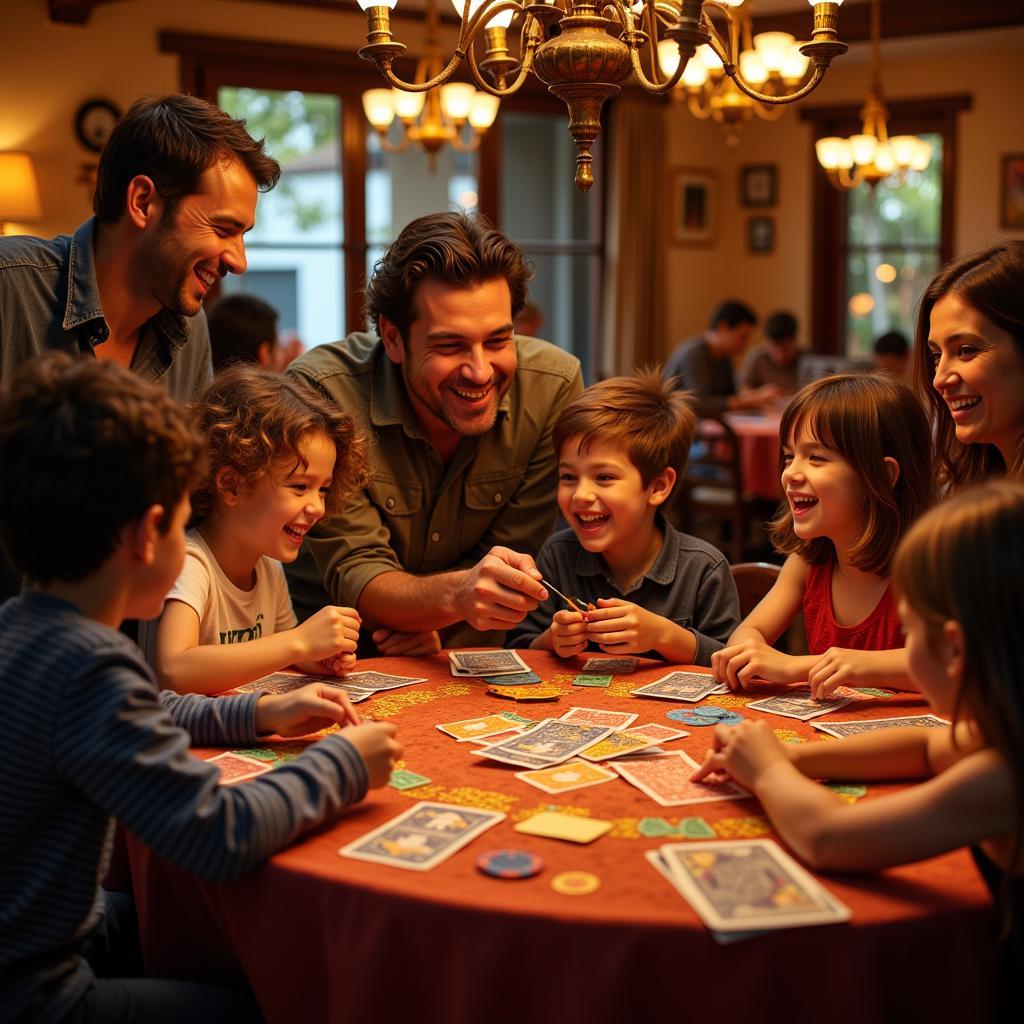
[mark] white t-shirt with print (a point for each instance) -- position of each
(227, 614)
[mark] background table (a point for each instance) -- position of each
(758, 436)
(324, 938)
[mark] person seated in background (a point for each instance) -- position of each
(243, 329)
(645, 588)
(774, 361)
(90, 737)
(529, 320)
(892, 355)
(279, 455)
(703, 364)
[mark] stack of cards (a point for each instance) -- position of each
(549, 743)
(666, 780)
(799, 704)
(743, 888)
(423, 836)
(688, 686)
(841, 729)
(486, 663)
(358, 685)
(612, 666)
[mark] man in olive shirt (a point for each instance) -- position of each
(459, 414)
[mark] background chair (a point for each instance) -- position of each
(753, 580)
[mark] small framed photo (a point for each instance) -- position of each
(759, 185)
(694, 206)
(761, 234)
(1011, 191)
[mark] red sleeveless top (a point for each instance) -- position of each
(880, 631)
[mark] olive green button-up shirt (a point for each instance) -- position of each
(417, 514)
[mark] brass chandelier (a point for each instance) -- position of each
(599, 45)
(872, 156)
(771, 61)
(437, 117)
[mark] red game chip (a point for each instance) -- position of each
(509, 863)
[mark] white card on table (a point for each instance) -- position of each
(799, 704)
(862, 725)
(423, 836)
(549, 743)
(689, 686)
(598, 716)
(747, 884)
(666, 780)
(486, 663)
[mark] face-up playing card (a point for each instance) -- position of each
(799, 704)
(378, 681)
(236, 768)
(551, 742)
(615, 666)
(666, 780)
(691, 686)
(841, 729)
(597, 716)
(749, 884)
(486, 663)
(423, 836)
(618, 744)
(565, 777)
(476, 728)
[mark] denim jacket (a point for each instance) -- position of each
(49, 299)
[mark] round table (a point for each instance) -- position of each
(324, 938)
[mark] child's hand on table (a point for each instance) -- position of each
(378, 748)
(741, 664)
(330, 631)
(746, 752)
(309, 709)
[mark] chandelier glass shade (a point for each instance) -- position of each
(872, 155)
(600, 44)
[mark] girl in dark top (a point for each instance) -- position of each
(959, 574)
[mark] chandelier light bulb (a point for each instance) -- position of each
(379, 107)
(903, 149)
(668, 57)
(814, 3)
(456, 100)
(884, 161)
(501, 20)
(863, 147)
(367, 4)
(752, 68)
(922, 155)
(459, 5)
(709, 58)
(408, 105)
(773, 48)
(794, 66)
(827, 151)
(483, 110)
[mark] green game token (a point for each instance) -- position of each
(585, 680)
(847, 789)
(513, 717)
(402, 778)
(695, 828)
(654, 828)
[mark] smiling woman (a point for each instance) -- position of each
(970, 365)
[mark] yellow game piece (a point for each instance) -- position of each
(575, 883)
(536, 692)
(555, 825)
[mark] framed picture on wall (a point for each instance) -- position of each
(1011, 191)
(694, 206)
(759, 184)
(761, 234)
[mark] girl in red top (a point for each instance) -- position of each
(856, 471)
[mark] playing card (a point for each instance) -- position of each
(799, 704)
(486, 663)
(841, 729)
(423, 836)
(285, 682)
(742, 885)
(666, 780)
(476, 728)
(597, 716)
(555, 825)
(598, 681)
(616, 666)
(691, 686)
(402, 779)
(526, 694)
(551, 742)
(565, 777)
(659, 732)
(237, 767)
(618, 744)
(374, 681)
(513, 679)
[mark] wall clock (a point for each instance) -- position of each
(94, 121)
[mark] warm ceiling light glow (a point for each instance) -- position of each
(861, 304)
(885, 272)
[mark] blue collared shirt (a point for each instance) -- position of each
(49, 299)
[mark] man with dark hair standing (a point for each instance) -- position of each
(243, 329)
(175, 192)
(462, 469)
(703, 363)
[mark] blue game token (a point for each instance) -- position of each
(509, 863)
(708, 711)
(687, 716)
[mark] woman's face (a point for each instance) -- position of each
(979, 371)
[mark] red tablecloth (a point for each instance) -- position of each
(758, 436)
(324, 938)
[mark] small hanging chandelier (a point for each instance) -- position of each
(437, 117)
(872, 156)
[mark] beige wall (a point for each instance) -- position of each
(986, 66)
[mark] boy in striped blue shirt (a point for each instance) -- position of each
(95, 470)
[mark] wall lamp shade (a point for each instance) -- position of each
(19, 193)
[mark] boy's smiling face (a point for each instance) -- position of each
(603, 498)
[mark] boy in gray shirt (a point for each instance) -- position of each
(642, 586)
